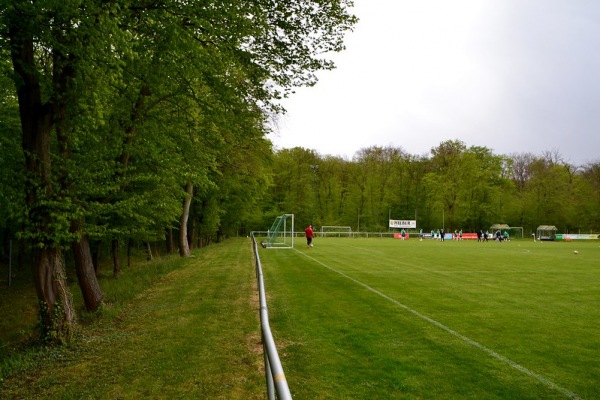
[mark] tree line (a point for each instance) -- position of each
(455, 186)
(134, 121)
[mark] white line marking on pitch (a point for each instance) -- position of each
(465, 339)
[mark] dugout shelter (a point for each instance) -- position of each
(504, 227)
(546, 232)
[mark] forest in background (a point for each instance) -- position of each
(456, 186)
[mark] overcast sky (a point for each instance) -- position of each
(512, 75)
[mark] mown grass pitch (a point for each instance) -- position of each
(385, 318)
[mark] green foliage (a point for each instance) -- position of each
(295, 175)
(159, 94)
(122, 104)
(457, 186)
(333, 182)
(12, 180)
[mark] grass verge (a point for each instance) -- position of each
(193, 332)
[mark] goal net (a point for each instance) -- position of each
(281, 234)
(336, 231)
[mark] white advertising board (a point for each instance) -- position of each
(402, 223)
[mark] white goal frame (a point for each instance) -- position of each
(281, 234)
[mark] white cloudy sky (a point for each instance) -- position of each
(512, 75)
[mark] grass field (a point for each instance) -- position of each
(352, 319)
(390, 319)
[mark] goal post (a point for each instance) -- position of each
(281, 234)
(336, 231)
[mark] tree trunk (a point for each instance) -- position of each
(114, 251)
(191, 232)
(56, 306)
(148, 252)
(184, 247)
(86, 275)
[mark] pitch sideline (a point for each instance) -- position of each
(465, 339)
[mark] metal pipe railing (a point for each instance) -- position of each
(276, 382)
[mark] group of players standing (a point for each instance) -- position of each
(498, 236)
(458, 235)
(439, 234)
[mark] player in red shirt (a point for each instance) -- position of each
(309, 236)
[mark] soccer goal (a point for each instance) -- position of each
(281, 234)
(336, 231)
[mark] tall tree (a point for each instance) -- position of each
(377, 165)
(445, 182)
(484, 192)
(43, 47)
(293, 180)
(588, 196)
(332, 191)
(548, 195)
